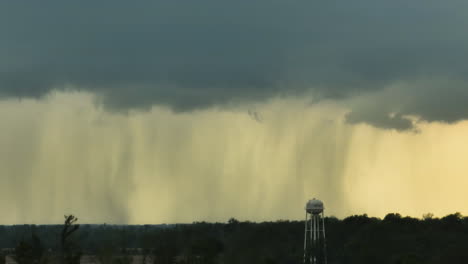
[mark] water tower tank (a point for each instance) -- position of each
(314, 206)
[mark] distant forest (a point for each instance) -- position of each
(355, 239)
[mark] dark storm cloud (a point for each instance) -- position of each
(404, 104)
(194, 54)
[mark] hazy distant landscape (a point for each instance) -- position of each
(355, 239)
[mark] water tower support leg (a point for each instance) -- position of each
(305, 237)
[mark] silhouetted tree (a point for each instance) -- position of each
(70, 254)
(30, 252)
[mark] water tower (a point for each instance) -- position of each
(314, 234)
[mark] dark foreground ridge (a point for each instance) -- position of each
(355, 239)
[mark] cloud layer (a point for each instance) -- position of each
(198, 54)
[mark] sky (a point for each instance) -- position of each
(137, 112)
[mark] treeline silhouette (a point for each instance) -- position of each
(355, 239)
